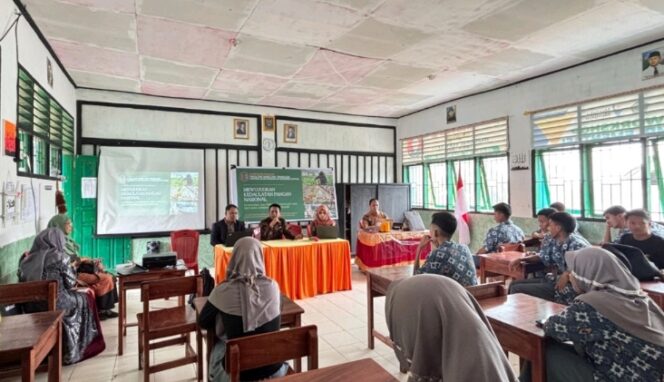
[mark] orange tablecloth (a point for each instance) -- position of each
(303, 268)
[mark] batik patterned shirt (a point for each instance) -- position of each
(505, 232)
(655, 228)
(552, 255)
(614, 354)
(452, 260)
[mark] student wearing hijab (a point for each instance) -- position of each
(440, 333)
(447, 258)
(81, 331)
(322, 218)
(90, 272)
(555, 285)
(246, 303)
(617, 331)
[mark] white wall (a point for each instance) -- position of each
(32, 55)
(173, 126)
(611, 75)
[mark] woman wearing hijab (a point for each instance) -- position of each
(617, 330)
(435, 325)
(246, 303)
(90, 272)
(322, 218)
(81, 334)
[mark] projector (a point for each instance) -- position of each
(159, 260)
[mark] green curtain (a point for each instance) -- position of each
(482, 188)
(426, 173)
(587, 182)
(658, 174)
(542, 193)
(451, 185)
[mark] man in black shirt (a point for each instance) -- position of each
(641, 237)
(226, 226)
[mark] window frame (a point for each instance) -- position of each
(59, 128)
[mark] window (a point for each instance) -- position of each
(558, 179)
(414, 176)
(45, 130)
(601, 153)
(478, 153)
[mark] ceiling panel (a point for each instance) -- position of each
(370, 57)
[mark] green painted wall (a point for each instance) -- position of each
(9, 255)
(205, 250)
(480, 224)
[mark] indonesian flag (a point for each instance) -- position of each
(461, 213)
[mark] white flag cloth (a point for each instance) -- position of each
(461, 213)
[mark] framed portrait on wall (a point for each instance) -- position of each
(290, 133)
(451, 114)
(241, 128)
(268, 123)
(651, 63)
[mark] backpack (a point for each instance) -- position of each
(208, 285)
(640, 267)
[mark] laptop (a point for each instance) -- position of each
(327, 232)
(232, 238)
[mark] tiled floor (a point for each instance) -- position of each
(341, 319)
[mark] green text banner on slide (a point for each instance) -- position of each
(298, 191)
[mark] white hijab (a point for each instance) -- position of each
(439, 330)
(610, 288)
(247, 292)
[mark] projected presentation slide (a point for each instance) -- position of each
(144, 190)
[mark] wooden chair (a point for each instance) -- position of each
(488, 290)
(185, 244)
(32, 291)
(250, 352)
(508, 247)
(179, 321)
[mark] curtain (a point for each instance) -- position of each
(542, 193)
(483, 202)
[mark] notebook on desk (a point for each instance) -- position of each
(327, 232)
(235, 236)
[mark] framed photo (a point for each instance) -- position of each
(268, 123)
(451, 114)
(290, 133)
(241, 128)
(651, 63)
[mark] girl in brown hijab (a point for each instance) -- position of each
(440, 333)
(322, 218)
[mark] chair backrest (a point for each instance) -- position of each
(185, 244)
(488, 290)
(251, 352)
(309, 230)
(295, 229)
(171, 287)
(30, 292)
(508, 247)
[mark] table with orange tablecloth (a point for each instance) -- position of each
(388, 248)
(303, 268)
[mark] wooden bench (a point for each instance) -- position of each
(179, 321)
(259, 350)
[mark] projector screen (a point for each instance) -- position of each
(146, 190)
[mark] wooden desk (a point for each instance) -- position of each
(498, 264)
(29, 338)
(513, 319)
(394, 248)
(654, 289)
(133, 281)
(291, 317)
(378, 280)
(365, 370)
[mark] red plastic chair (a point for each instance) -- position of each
(185, 244)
